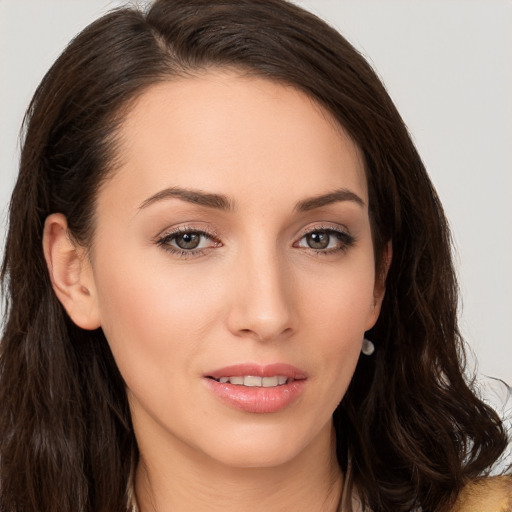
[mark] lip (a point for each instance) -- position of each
(258, 370)
(257, 399)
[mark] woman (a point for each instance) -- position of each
(229, 280)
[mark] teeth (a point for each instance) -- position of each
(268, 382)
(253, 381)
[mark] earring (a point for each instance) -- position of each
(368, 348)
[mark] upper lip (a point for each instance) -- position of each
(259, 370)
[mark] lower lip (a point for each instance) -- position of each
(257, 399)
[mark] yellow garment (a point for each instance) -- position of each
(493, 494)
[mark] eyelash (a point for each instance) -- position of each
(166, 240)
(346, 241)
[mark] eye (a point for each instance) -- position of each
(187, 242)
(318, 240)
(326, 240)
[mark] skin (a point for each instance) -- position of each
(255, 293)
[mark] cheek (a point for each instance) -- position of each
(339, 303)
(153, 318)
(337, 309)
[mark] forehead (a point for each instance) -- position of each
(236, 135)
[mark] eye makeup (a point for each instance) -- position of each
(189, 241)
(325, 240)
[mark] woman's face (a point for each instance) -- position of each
(233, 268)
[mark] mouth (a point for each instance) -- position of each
(257, 389)
(253, 381)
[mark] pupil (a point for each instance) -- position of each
(188, 240)
(318, 240)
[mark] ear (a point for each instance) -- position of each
(70, 273)
(379, 289)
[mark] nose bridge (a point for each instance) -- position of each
(262, 306)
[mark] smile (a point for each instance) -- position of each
(257, 388)
(255, 381)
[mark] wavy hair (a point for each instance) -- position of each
(409, 425)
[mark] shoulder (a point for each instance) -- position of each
(492, 494)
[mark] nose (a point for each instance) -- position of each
(262, 304)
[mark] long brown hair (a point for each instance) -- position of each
(410, 426)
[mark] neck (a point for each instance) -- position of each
(178, 482)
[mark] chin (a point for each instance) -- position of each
(254, 457)
(262, 447)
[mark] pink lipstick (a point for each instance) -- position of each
(257, 388)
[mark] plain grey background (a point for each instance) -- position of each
(448, 67)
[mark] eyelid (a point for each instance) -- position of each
(186, 228)
(325, 226)
(346, 239)
(164, 238)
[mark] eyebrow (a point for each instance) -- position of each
(222, 202)
(341, 194)
(217, 201)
